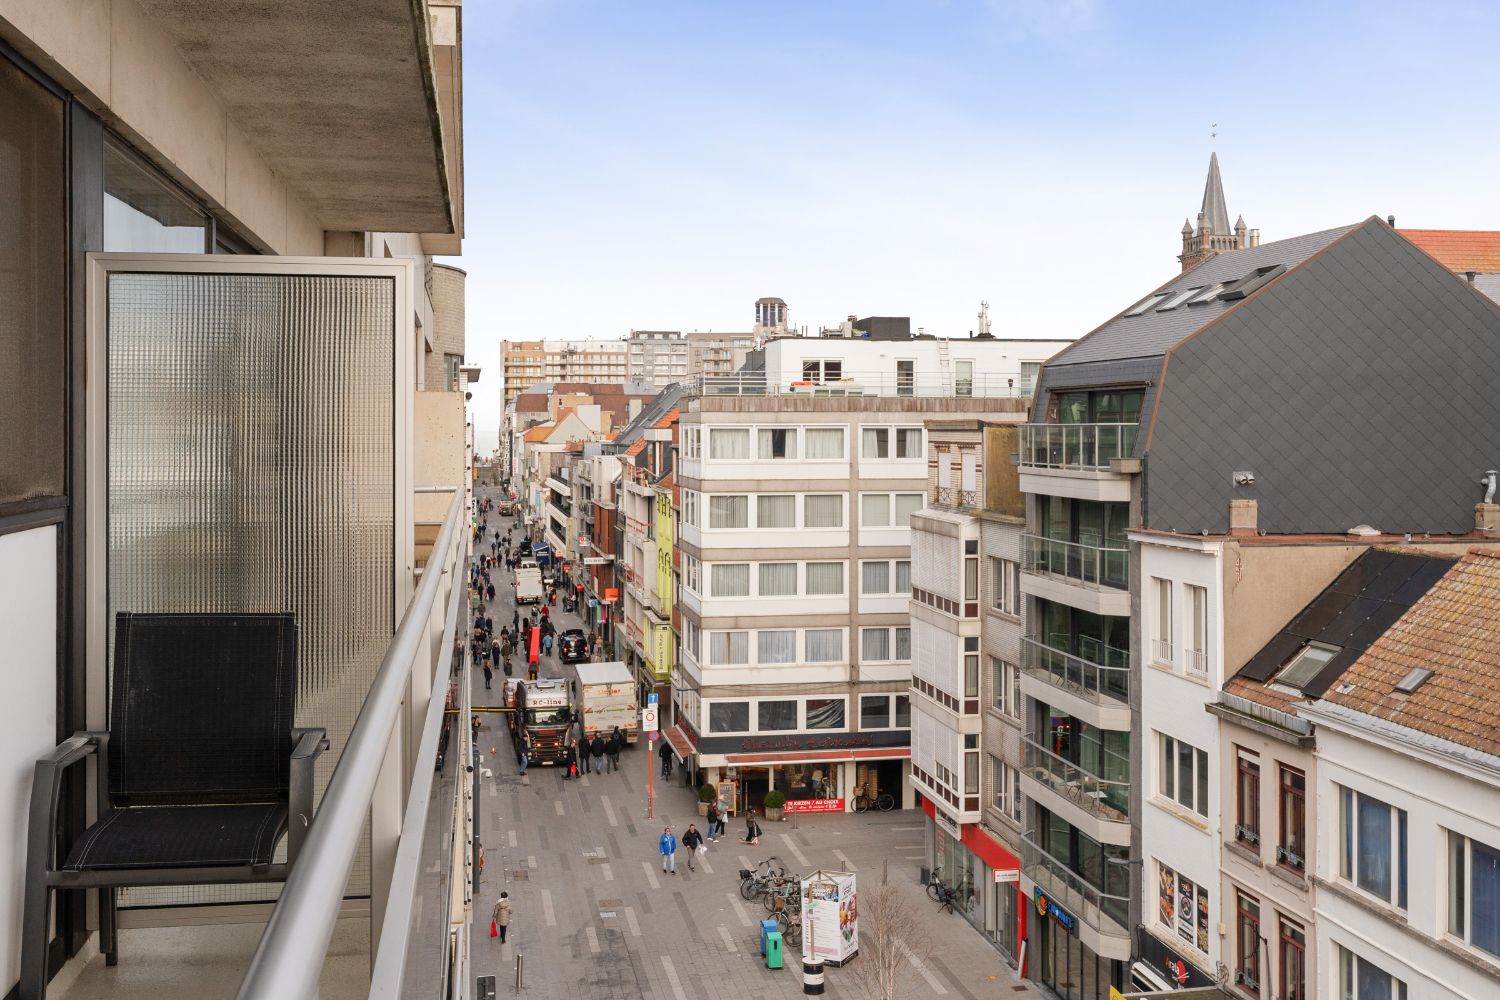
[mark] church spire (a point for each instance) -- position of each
(1215, 214)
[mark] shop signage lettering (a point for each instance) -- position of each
(1046, 907)
(808, 742)
(1007, 875)
(814, 805)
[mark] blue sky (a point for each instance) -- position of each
(660, 165)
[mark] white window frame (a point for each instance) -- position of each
(728, 632)
(692, 574)
(843, 579)
(708, 709)
(761, 497)
(822, 697)
(691, 504)
(886, 567)
(714, 570)
(1461, 846)
(1161, 634)
(794, 439)
(1195, 637)
(840, 654)
(749, 443)
(710, 526)
(1005, 586)
(1169, 778)
(796, 574)
(1398, 851)
(839, 504)
(842, 456)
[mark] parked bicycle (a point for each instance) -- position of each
(949, 897)
(754, 881)
(863, 802)
(782, 894)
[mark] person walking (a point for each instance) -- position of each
(570, 760)
(583, 750)
(723, 820)
(665, 753)
(692, 840)
(596, 751)
(523, 752)
(668, 847)
(489, 591)
(488, 673)
(613, 747)
(500, 917)
(713, 819)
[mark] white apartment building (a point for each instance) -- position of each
(657, 357)
(797, 489)
(527, 362)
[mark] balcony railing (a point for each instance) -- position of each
(952, 496)
(1102, 684)
(1101, 797)
(1075, 446)
(289, 959)
(858, 384)
(1106, 912)
(1094, 565)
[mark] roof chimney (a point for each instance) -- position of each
(1243, 517)
(1255, 237)
(1390, 220)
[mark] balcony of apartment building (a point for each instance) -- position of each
(831, 378)
(1080, 662)
(1091, 573)
(1088, 880)
(1078, 772)
(1085, 448)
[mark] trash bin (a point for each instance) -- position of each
(773, 950)
(767, 928)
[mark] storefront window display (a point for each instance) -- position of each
(955, 865)
(808, 781)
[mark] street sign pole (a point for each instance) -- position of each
(649, 727)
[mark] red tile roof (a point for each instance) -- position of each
(1454, 631)
(540, 432)
(1459, 250)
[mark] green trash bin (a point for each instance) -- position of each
(773, 950)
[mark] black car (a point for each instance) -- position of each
(573, 646)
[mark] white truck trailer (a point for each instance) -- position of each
(606, 699)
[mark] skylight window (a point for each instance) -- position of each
(1149, 302)
(1208, 294)
(1178, 298)
(1303, 667)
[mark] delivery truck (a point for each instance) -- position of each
(544, 712)
(606, 699)
(528, 582)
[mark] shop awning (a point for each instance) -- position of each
(681, 745)
(804, 756)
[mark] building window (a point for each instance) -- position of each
(823, 645)
(823, 443)
(1005, 586)
(874, 644)
(776, 716)
(691, 438)
(729, 648)
(1162, 641)
(826, 713)
(690, 501)
(825, 579)
(822, 370)
(823, 510)
(891, 442)
(692, 574)
(1474, 893)
(777, 579)
(1372, 846)
(729, 579)
(1291, 944)
(875, 711)
(729, 716)
(875, 577)
(728, 511)
(777, 442)
(1247, 799)
(1007, 788)
(451, 374)
(143, 213)
(776, 511)
(1291, 849)
(1182, 907)
(886, 510)
(1363, 980)
(1306, 664)
(1182, 774)
(1196, 659)
(903, 576)
(1247, 950)
(776, 646)
(903, 642)
(729, 443)
(971, 578)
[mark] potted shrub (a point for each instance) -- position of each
(706, 794)
(774, 801)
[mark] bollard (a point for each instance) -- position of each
(812, 977)
(520, 965)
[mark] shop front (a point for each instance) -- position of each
(814, 773)
(1061, 962)
(987, 876)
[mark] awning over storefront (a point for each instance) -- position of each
(682, 746)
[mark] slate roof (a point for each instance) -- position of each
(1153, 333)
(1352, 613)
(1454, 631)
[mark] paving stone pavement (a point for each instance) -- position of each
(596, 919)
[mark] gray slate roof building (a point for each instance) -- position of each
(1353, 375)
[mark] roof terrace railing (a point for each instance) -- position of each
(288, 961)
(759, 383)
(1075, 446)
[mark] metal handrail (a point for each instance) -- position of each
(1108, 800)
(953, 496)
(1096, 565)
(1078, 674)
(852, 383)
(1087, 901)
(288, 961)
(1075, 446)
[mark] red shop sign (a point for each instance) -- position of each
(814, 805)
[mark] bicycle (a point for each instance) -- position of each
(782, 893)
(753, 881)
(935, 885)
(789, 922)
(884, 802)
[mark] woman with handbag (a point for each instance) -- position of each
(500, 918)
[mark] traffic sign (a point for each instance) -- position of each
(651, 698)
(648, 719)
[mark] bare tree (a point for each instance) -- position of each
(891, 932)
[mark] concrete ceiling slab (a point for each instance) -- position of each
(338, 96)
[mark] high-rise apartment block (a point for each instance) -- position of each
(527, 362)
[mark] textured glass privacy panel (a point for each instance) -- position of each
(252, 468)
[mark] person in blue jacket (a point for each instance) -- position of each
(668, 848)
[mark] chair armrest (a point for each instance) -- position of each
(308, 745)
(46, 787)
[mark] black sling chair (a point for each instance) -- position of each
(198, 772)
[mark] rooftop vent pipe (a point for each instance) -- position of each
(1488, 482)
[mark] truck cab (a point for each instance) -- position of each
(544, 711)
